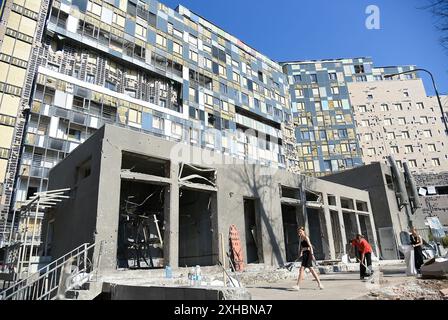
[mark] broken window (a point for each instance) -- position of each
(134, 162)
(189, 174)
(359, 68)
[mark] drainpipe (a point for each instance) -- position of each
(401, 190)
(411, 183)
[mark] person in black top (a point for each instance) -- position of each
(306, 252)
(417, 242)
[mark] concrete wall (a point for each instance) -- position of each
(235, 180)
(75, 219)
(385, 207)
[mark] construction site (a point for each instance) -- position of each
(138, 217)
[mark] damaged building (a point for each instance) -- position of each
(433, 193)
(394, 200)
(152, 202)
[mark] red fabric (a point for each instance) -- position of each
(364, 246)
(355, 243)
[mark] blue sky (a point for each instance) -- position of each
(316, 29)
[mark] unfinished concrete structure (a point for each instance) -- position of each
(195, 194)
(393, 211)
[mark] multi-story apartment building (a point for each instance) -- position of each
(68, 67)
(327, 100)
(394, 116)
(322, 114)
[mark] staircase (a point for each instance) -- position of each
(72, 276)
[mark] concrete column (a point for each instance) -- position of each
(331, 250)
(303, 205)
(358, 225)
(171, 239)
(342, 224)
(372, 226)
(271, 225)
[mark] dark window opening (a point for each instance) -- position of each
(144, 164)
(141, 225)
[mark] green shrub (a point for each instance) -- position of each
(445, 241)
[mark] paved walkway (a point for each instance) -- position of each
(337, 287)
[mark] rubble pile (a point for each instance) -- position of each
(415, 289)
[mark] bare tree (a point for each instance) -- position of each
(439, 8)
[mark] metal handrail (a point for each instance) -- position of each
(48, 281)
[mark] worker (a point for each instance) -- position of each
(365, 256)
(307, 256)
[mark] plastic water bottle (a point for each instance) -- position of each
(168, 272)
(198, 275)
(192, 276)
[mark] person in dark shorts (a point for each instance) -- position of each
(416, 241)
(306, 252)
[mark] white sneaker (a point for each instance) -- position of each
(296, 288)
(321, 287)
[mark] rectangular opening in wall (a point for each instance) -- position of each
(361, 206)
(331, 200)
(292, 219)
(190, 174)
(144, 164)
(292, 193)
(337, 235)
(141, 225)
(347, 203)
(366, 229)
(253, 232)
(389, 181)
(84, 170)
(317, 230)
(351, 228)
(197, 217)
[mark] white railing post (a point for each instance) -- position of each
(86, 246)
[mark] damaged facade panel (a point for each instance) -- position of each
(196, 202)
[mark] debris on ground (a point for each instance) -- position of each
(435, 268)
(415, 289)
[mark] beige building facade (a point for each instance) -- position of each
(17, 38)
(396, 117)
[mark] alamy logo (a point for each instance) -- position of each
(373, 18)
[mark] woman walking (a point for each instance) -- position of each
(306, 252)
(416, 241)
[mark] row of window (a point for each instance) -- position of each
(325, 134)
(393, 135)
(385, 107)
(315, 91)
(332, 76)
(389, 121)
